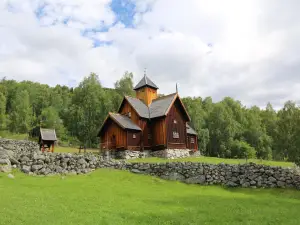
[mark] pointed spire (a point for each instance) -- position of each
(145, 81)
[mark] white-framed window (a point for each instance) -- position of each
(129, 114)
(133, 136)
(192, 140)
(175, 121)
(175, 134)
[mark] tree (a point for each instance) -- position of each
(2, 112)
(50, 119)
(286, 139)
(255, 134)
(21, 115)
(90, 105)
(124, 86)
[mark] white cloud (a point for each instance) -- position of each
(254, 55)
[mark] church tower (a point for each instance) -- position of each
(146, 90)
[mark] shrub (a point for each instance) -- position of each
(241, 149)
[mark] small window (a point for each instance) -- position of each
(175, 134)
(192, 140)
(133, 136)
(175, 121)
(129, 114)
(149, 136)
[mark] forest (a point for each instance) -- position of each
(225, 129)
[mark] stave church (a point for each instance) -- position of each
(148, 122)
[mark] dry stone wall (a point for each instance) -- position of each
(31, 161)
(244, 175)
(10, 151)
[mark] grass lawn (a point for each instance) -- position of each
(203, 159)
(215, 160)
(8, 135)
(72, 150)
(119, 197)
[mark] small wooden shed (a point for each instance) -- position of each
(47, 139)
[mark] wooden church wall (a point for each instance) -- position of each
(107, 140)
(190, 144)
(176, 128)
(158, 127)
(134, 140)
(146, 133)
(126, 108)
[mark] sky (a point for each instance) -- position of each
(248, 50)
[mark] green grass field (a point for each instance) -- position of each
(203, 159)
(72, 150)
(215, 160)
(119, 197)
(6, 134)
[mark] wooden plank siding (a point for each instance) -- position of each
(158, 127)
(190, 145)
(112, 130)
(133, 140)
(146, 95)
(146, 130)
(175, 122)
(127, 108)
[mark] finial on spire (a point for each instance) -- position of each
(176, 88)
(145, 71)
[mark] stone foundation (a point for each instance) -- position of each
(167, 153)
(174, 153)
(126, 154)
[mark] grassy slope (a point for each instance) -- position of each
(118, 197)
(215, 160)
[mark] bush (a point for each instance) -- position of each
(241, 149)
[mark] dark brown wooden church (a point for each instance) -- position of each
(148, 122)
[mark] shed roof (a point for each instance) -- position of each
(190, 130)
(124, 121)
(48, 134)
(145, 81)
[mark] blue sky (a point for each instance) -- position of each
(124, 11)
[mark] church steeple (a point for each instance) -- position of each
(146, 90)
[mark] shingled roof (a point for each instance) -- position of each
(124, 121)
(139, 106)
(190, 130)
(160, 106)
(145, 81)
(48, 134)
